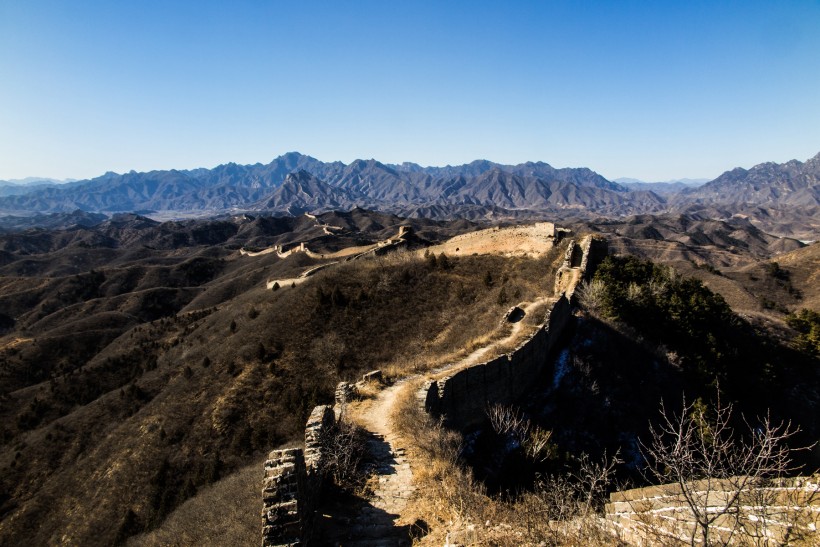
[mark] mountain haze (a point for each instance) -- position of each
(781, 198)
(395, 188)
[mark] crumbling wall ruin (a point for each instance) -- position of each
(283, 512)
(580, 260)
(462, 398)
(292, 484)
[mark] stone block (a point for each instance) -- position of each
(345, 392)
(373, 376)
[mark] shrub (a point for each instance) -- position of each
(678, 312)
(343, 447)
(592, 296)
(807, 323)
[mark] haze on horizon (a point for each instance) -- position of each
(653, 92)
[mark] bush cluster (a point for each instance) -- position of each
(679, 312)
(807, 324)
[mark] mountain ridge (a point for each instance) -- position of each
(477, 190)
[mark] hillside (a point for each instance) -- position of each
(140, 366)
(142, 361)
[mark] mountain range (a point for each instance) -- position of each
(663, 187)
(295, 183)
(29, 184)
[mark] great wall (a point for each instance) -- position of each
(782, 512)
(459, 395)
(349, 253)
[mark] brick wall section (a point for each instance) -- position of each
(785, 512)
(594, 249)
(319, 421)
(463, 397)
(292, 485)
(282, 513)
(345, 392)
(580, 260)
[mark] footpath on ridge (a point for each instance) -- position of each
(379, 522)
(294, 509)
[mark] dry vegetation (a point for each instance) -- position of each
(219, 514)
(126, 427)
(458, 509)
(140, 385)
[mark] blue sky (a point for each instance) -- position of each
(651, 90)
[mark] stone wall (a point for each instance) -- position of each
(580, 260)
(321, 419)
(784, 512)
(283, 514)
(463, 397)
(292, 484)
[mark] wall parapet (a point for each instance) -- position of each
(282, 513)
(777, 512)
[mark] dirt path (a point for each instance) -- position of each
(377, 523)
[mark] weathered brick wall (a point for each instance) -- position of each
(292, 484)
(784, 512)
(580, 260)
(282, 513)
(463, 397)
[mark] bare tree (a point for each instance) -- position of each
(510, 422)
(592, 295)
(343, 448)
(563, 508)
(716, 469)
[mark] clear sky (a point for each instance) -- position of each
(653, 90)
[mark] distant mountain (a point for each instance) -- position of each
(664, 187)
(33, 180)
(784, 198)
(295, 183)
(302, 192)
(790, 183)
(684, 181)
(17, 187)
